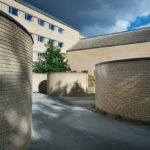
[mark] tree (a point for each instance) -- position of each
(53, 60)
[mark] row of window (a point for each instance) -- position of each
(42, 40)
(29, 18)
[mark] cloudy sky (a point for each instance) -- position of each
(98, 17)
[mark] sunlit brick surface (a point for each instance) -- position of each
(15, 84)
(67, 84)
(123, 88)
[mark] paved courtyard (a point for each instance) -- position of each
(63, 126)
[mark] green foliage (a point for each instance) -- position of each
(118, 117)
(91, 92)
(53, 60)
(93, 106)
(91, 80)
(101, 111)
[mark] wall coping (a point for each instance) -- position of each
(38, 73)
(67, 73)
(124, 60)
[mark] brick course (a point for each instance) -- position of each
(15, 85)
(123, 88)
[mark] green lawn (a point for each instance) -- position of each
(91, 92)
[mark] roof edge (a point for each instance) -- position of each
(115, 33)
(103, 46)
(123, 60)
(44, 13)
(106, 35)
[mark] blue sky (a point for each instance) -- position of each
(140, 22)
(98, 17)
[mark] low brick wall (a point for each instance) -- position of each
(39, 82)
(67, 84)
(15, 84)
(123, 88)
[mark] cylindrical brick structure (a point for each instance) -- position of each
(67, 84)
(15, 84)
(123, 88)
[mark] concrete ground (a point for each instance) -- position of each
(63, 126)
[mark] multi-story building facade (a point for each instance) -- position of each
(42, 26)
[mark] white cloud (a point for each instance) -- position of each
(121, 25)
(97, 17)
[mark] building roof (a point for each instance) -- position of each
(121, 38)
(42, 12)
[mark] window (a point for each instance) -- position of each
(13, 11)
(84, 71)
(51, 27)
(41, 22)
(60, 44)
(41, 39)
(28, 17)
(40, 54)
(60, 30)
(53, 42)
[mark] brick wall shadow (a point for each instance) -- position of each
(64, 90)
(15, 86)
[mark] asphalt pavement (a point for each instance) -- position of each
(57, 125)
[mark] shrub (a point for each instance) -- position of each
(118, 117)
(91, 80)
(101, 111)
(53, 60)
(93, 106)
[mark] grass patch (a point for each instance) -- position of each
(101, 111)
(94, 107)
(91, 92)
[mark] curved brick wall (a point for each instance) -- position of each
(15, 84)
(67, 84)
(123, 88)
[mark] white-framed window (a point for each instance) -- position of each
(41, 39)
(28, 17)
(39, 54)
(60, 44)
(60, 30)
(13, 11)
(52, 41)
(41, 22)
(52, 27)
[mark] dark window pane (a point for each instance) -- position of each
(51, 27)
(60, 30)
(60, 44)
(28, 17)
(41, 39)
(13, 11)
(41, 22)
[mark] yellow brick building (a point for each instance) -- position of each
(88, 52)
(42, 26)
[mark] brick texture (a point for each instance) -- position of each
(87, 59)
(67, 84)
(123, 88)
(15, 85)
